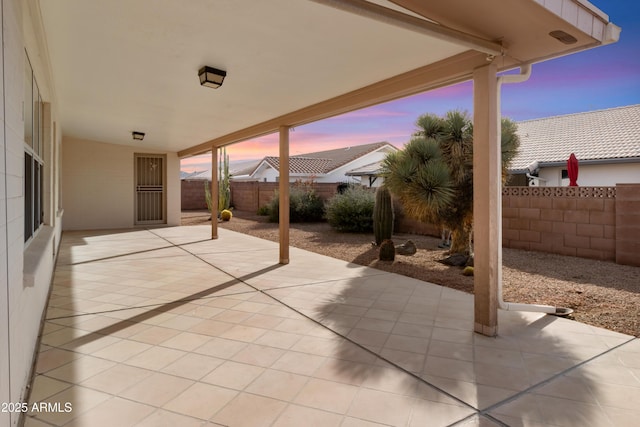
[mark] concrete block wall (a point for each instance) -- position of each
(575, 221)
(589, 222)
(628, 224)
(192, 194)
(249, 196)
(265, 192)
(245, 196)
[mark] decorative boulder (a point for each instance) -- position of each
(387, 250)
(456, 260)
(408, 248)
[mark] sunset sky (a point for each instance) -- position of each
(604, 77)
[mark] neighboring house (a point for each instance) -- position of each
(335, 165)
(193, 175)
(236, 168)
(606, 143)
(368, 175)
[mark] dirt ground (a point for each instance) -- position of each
(601, 293)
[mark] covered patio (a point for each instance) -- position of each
(102, 100)
(165, 326)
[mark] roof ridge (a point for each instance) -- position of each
(309, 158)
(371, 144)
(582, 113)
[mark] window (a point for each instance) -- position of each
(33, 154)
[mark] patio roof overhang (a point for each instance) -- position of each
(120, 65)
(291, 63)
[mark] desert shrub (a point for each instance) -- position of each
(304, 206)
(263, 210)
(226, 215)
(351, 211)
(273, 208)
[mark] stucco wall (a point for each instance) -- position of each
(593, 175)
(338, 175)
(98, 182)
(26, 268)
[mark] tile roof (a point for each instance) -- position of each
(322, 162)
(594, 135)
(299, 164)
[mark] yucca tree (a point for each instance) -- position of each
(433, 175)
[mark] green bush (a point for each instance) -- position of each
(304, 206)
(263, 210)
(351, 211)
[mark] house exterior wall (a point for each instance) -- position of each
(590, 175)
(26, 268)
(338, 175)
(5, 376)
(265, 173)
(98, 182)
(364, 180)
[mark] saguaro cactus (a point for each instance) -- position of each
(382, 215)
(224, 188)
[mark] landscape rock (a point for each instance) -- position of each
(408, 248)
(456, 260)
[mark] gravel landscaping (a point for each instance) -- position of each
(601, 293)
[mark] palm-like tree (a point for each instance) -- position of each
(433, 175)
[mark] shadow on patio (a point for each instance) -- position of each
(163, 327)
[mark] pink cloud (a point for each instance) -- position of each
(196, 163)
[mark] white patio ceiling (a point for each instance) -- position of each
(122, 65)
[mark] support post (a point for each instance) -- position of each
(214, 192)
(486, 199)
(283, 190)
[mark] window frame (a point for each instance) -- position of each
(34, 165)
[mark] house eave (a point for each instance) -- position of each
(610, 161)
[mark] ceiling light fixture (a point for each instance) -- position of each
(563, 37)
(138, 136)
(211, 77)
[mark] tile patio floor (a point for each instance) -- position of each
(163, 327)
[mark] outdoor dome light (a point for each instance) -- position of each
(563, 37)
(211, 77)
(138, 136)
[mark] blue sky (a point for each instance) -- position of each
(604, 77)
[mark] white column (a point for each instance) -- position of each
(283, 191)
(486, 199)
